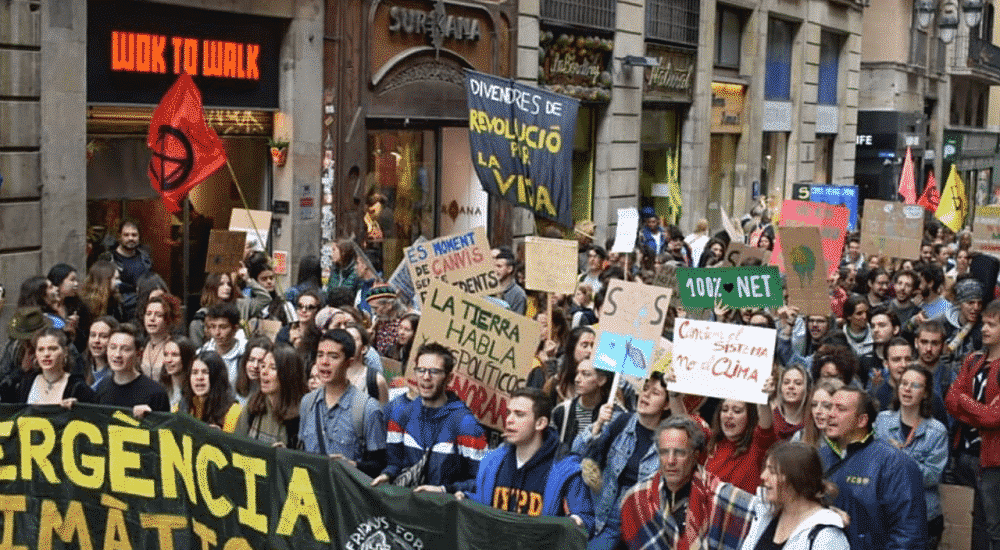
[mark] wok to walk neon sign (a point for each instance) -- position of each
(136, 52)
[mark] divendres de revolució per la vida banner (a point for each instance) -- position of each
(521, 139)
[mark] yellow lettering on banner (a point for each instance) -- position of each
(8, 472)
(74, 524)
(121, 460)
(253, 468)
(39, 452)
(205, 534)
(218, 506)
(238, 543)
(10, 505)
(165, 525)
(301, 502)
(173, 461)
(93, 463)
(115, 530)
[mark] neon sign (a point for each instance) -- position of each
(134, 52)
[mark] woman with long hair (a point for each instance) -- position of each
(149, 286)
(405, 332)
(178, 355)
(790, 400)
(248, 375)
(911, 427)
(218, 288)
(207, 395)
(343, 273)
(579, 346)
(271, 416)
(820, 405)
(856, 328)
(96, 357)
(50, 382)
(100, 290)
(70, 307)
(792, 503)
(39, 292)
(742, 433)
(593, 387)
(159, 319)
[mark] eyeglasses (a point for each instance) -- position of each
(309, 307)
(428, 371)
(911, 385)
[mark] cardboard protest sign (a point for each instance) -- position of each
(550, 265)
(225, 251)
(956, 503)
(666, 277)
(493, 347)
(268, 327)
(722, 360)
(462, 260)
(632, 319)
(161, 469)
(892, 229)
(831, 220)
(627, 230)
(736, 287)
(805, 270)
(986, 230)
(255, 223)
(403, 282)
(736, 252)
(521, 140)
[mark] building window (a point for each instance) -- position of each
(823, 166)
(729, 30)
(773, 166)
(596, 14)
(673, 21)
(778, 71)
(829, 67)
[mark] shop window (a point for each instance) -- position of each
(728, 36)
(823, 165)
(583, 165)
(660, 158)
(778, 65)
(596, 14)
(829, 67)
(673, 21)
(774, 163)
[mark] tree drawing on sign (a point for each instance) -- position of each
(804, 263)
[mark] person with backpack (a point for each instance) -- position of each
(525, 475)
(789, 511)
(336, 419)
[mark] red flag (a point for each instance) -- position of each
(907, 182)
(185, 150)
(931, 197)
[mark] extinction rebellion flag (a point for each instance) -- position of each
(521, 140)
(185, 150)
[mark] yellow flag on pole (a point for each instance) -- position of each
(954, 206)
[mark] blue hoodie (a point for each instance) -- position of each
(539, 487)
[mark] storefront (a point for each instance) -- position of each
(727, 126)
(880, 149)
(974, 153)
(667, 96)
(135, 52)
(405, 169)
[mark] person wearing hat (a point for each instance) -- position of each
(387, 311)
(652, 235)
(18, 356)
(963, 324)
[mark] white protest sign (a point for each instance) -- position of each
(628, 229)
(722, 360)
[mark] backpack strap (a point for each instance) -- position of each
(814, 532)
(371, 382)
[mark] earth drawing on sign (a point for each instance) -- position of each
(804, 263)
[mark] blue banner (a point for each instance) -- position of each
(521, 139)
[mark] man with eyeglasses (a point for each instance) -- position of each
(435, 433)
(337, 419)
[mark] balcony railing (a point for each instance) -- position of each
(984, 56)
(595, 14)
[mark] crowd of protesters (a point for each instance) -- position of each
(870, 406)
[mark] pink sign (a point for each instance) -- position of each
(831, 221)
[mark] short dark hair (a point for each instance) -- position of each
(907, 273)
(852, 303)
(884, 310)
(874, 273)
(506, 254)
(933, 274)
(125, 223)
(934, 326)
(224, 310)
(866, 404)
(342, 337)
(257, 263)
(541, 404)
(434, 348)
(802, 469)
(599, 251)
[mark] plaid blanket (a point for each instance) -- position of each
(717, 515)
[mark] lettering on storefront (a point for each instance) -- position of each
(435, 23)
(673, 78)
(136, 52)
(576, 65)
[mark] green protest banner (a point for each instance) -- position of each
(736, 287)
(95, 478)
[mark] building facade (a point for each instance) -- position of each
(81, 79)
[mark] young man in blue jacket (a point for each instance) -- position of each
(880, 486)
(436, 424)
(524, 476)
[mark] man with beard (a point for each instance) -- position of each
(878, 287)
(930, 355)
(934, 305)
(905, 285)
(884, 325)
(133, 261)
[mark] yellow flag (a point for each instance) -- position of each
(954, 206)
